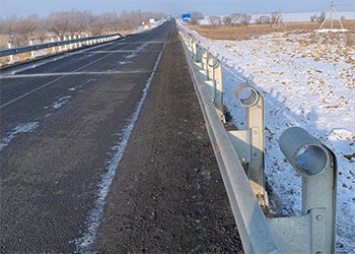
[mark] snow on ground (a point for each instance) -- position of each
(307, 85)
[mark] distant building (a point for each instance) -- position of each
(186, 17)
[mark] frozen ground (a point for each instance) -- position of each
(306, 84)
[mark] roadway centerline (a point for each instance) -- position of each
(116, 51)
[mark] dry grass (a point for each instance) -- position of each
(255, 31)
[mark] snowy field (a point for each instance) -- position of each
(305, 84)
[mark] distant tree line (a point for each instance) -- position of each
(234, 19)
(240, 19)
(74, 22)
(319, 18)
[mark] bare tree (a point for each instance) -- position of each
(24, 28)
(97, 26)
(321, 17)
(215, 20)
(41, 31)
(2, 26)
(263, 20)
(58, 23)
(73, 24)
(240, 19)
(234, 18)
(9, 26)
(195, 17)
(245, 19)
(110, 19)
(227, 20)
(313, 18)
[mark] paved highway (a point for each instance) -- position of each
(65, 124)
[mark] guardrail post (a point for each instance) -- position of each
(32, 51)
(70, 44)
(215, 70)
(205, 54)
(9, 45)
(315, 230)
(53, 48)
(249, 143)
(80, 43)
(199, 52)
(59, 47)
(194, 51)
(66, 45)
(75, 43)
(209, 67)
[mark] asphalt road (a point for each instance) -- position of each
(105, 150)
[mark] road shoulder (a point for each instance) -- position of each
(167, 195)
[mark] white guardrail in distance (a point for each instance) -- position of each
(313, 231)
(68, 45)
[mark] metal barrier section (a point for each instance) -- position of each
(253, 226)
(312, 232)
(68, 45)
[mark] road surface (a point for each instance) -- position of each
(105, 150)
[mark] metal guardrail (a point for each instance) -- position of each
(314, 230)
(68, 45)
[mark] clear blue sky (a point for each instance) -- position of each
(24, 8)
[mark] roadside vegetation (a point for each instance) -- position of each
(69, 23)
(238, 26)
(254, 31)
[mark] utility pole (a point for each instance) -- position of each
(279, 20)
(332, 13)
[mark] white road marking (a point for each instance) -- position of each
(73, 73)
(86, 243)
(51, 82)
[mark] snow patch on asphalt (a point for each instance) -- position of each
(138, 49)
(22, 128)
(85, 82)
(61, 102)
(86, 243)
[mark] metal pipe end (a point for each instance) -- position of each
(305, 153)
(213, 62)
(247, 95)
